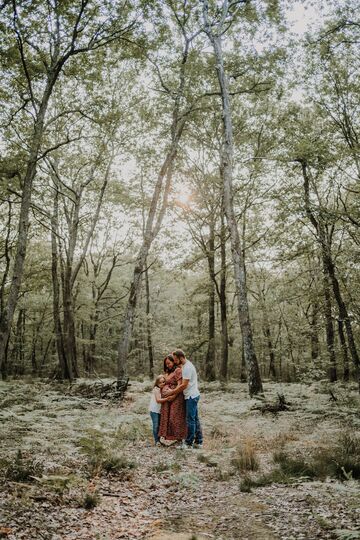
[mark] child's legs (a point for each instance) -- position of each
(155, 418)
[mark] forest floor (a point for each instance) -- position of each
(78, 453)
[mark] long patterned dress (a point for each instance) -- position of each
(173, 413)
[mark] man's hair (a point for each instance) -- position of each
(179, 353)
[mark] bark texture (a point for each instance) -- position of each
(215, 36)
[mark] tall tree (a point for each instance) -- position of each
(181, 17)
(69, 31)
(215, 30)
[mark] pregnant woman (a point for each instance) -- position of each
(173, 413)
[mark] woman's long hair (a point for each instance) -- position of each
(166, 369)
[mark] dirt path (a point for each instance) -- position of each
(167, 493)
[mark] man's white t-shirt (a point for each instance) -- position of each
(189, 372)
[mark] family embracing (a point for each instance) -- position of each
(174, 404)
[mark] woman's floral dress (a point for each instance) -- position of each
(173, 413)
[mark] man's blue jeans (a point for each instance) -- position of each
(155, 417)
(193, 423)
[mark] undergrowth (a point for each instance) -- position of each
(103, 456)
(21, 468)
(340, 459)
(245, 458)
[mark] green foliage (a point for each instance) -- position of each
(345, 534)
(133, 431)
(114, 463)
(246, 484)
(21, 468)
(91, 500)
(293, 466)
(340, 459)
(187, 480)
(101, 456)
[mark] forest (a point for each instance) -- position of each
(179, 173)
(121, 127)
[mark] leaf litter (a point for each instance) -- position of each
(169, 493)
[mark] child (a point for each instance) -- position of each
(155, 406)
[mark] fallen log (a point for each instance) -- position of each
(100, 390)
(280, 405)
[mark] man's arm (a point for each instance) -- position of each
(180, 388)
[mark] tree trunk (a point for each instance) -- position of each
(69, 331)
(326, 263)
(344, 350)
(344, 316)
(210, 354)
(223, 303)
(268, 336)
(65, 368)
(267, 330)
(23, 226)
(148, 327)
(254, 378)
(329, 327)
(314, 337)
(152, 228)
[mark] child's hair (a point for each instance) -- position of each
(158, 379)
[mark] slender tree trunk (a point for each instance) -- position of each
(85, 349)
(268, 336)
(329, 326)
(344, 315)
(152, 228)
(267, 331)
(210, 354)
(23, 226)
(326, 263)
(69, 330)
(92, 334)
(18, 351)
(314, 337)
(223, 303)
(254, 378)
(344, 350)
(148, 327)
(65, 368)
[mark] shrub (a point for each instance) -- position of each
(246, 484)
(113, 463)
(245, 458)
(187, 480)
(22, 469)
(101, 458)
(341, 460)
(132, 432)
(293, 466)
(91, 500)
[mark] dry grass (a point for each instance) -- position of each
(245, 458)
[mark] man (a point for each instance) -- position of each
(190, 388)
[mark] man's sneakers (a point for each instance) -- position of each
(185, 446)
(197, 446)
